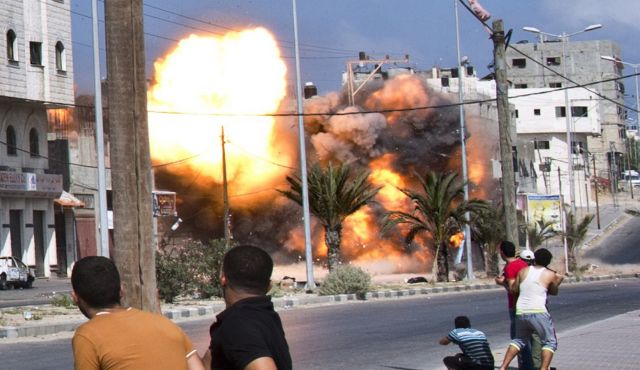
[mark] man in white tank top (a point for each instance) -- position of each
(532, 286)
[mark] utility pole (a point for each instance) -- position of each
(131, 177)
(504, 125)
(225, 192)
(593, 161)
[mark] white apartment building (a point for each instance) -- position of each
(35, 73)
(541, 124)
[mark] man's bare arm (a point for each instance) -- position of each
(206, 360)
(194, 362)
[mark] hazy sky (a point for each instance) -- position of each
(333, 31)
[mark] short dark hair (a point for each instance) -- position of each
(542, 257)
(96, 280)
(248, 268)
(462, 322)
(508, 248)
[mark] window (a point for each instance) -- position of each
(520, 86)
(445, 81)
(577, 147)
(519, 63)
(579, 111)
(536, 112)
(555, 85)
(11, 46)
(541, 144)
(35, 49)
(561, 111)
(517, 115)
(553, 61)
(11, 141)
(61, 63)
(34, 146)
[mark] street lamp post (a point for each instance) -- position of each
(565, 38)
(303, 160)
(463, 146)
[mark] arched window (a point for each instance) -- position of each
(11, 141)
(61, 63)
(11, 46)
(34, 145)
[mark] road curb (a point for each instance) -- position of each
(182, 313)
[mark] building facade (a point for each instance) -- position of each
(584, 67)
(541, 125)
(36, 73)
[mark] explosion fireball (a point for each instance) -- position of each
(239, 81)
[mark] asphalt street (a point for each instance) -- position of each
(385, 334)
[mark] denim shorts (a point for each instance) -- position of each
(539, 323)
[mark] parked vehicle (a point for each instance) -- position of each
(15, 274)
(630, 177)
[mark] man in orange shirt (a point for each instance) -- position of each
(119, 338)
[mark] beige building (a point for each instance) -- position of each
(35, 74)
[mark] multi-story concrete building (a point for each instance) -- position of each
(541, 125)
(583, 66)
(36, 73)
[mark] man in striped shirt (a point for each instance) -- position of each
(476, 354)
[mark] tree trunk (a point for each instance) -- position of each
(333, 239)
(443, 263)
(131, 178)
(492, 266)
(572, 261)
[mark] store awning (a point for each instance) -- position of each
(68, 200)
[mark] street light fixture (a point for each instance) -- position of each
(565, 38)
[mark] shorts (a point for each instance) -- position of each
(539, 323)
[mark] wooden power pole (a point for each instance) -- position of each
(131, 177)
(504, 124)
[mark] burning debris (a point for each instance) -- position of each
(208, 82)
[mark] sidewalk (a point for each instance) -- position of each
(606, 344)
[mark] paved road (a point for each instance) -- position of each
(40, 293)
(386, 334)
(621, 246)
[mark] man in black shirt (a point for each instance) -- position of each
(248, 334)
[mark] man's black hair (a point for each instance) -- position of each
(508, 248)
(248, 269)
(462, 322)
(96, 280)
(542, 257)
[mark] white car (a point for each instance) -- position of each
(634, 179)
(15, 274)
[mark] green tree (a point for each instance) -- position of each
(575, 234)
(487, 228)
(334, 194)
(439, 210)
(540, 232)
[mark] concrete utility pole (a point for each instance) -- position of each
(504, 123)
(225, 192)
(131, 177)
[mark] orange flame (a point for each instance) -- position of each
(209, 82)
(457, 239)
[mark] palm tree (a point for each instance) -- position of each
(575, 234)
(334, 194)
(438, 210)
(540, 232)
(488, 230)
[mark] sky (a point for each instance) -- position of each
(332, 32)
